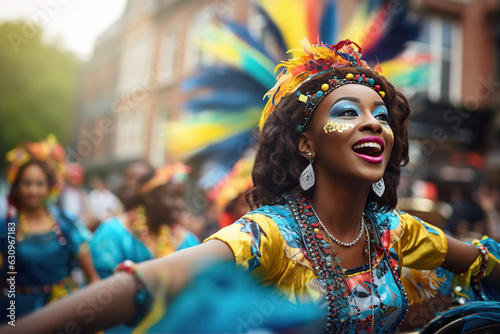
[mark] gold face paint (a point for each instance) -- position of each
(389, 131)
(339, 127)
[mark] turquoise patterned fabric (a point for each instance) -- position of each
(42, 261)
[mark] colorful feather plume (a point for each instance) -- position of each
(232, 90)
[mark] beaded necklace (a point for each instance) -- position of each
(23, 230)
(166, 240)
(138, 222)
(342, 310)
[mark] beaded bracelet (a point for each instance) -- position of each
(483, 251)
(143, 299)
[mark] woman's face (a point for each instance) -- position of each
(167, 201)
(351, 134)
(33, 187)
(131, 182)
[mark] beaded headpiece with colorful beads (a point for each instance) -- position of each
(314, 60)
(47, 151)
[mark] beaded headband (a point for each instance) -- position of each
(314, 99)
(314, 60)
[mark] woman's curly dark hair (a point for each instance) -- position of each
(278, 162)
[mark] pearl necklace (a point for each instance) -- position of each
(345, 244)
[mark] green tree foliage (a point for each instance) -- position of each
(37, 86)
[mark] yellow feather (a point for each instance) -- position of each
(354, 29)
(186, 136)
(290, 17)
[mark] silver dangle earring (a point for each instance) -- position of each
(379, 187)
(307, 177)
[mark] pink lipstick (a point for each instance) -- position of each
(369, 149)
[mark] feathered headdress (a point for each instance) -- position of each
(176, 172)
(312, 60)
(218, 128)
(47, 151)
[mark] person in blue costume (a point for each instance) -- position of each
(49, 242)
(324, 227)
(114, 240)
(163, 198)
(143, 232)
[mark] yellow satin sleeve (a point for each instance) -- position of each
(421, 245)
(278, 264)
(265, 263)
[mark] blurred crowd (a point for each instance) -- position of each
(54, 210)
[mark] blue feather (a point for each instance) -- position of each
(224, 101)
(273, 29)
(223, 77)
(217, 160)
(234, 147)
(329, 23)
(243, 33)
(401, 28)
(374, 5)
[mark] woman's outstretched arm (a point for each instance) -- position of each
(461, 255)
(111, 302)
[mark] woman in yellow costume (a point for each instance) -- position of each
(49, 242)
(324, 225)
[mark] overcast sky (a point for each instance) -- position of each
(76, 23)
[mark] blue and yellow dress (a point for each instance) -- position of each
(43, 262)
(277, 245)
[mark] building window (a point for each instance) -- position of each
(196, 56)
(129, 135)
(136, 62)
(168, 56)
(157, 153)
(441, 38)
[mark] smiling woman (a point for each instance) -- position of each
(341, 106)
(49, 242)
(324, 225)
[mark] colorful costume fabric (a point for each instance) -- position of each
(43, 264)
(113, 243)
(270, 245)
